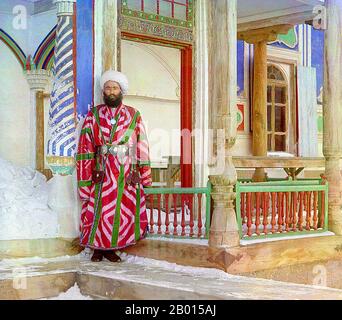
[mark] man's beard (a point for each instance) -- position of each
(112, 100)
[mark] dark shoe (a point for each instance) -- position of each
(111, 256)
(97, 256)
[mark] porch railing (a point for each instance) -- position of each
(179, 212)
(281, 208)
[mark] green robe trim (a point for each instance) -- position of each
(84, 183)
(137, 215)
(85, 156)
(85, 131)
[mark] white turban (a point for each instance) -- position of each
(116, 76)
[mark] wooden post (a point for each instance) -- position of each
(222, 94)
(260, 38)
(107, 41)
(332, 111)
(40, 157)
(111, 34)
(260, 106)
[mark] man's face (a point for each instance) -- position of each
(112, 93)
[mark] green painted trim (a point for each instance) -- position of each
(85, 131)
(281, 186)
(84, 183)
(116, 224)
(203, 190)
(326, 205)
(238, 208)
(137, 215)
(248, 187)
(175, 190)
(85, 156)
(207, 209)
(50, 64)
(320, 124)
(46, 54)
(290, 39)
(62, 170)
(97, 213)
(283, 183)
(159, 18)
(172, 236)
(284, 234)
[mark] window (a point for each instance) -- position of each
(277, 110)
(177, 9)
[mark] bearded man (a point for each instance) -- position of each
(112, 169)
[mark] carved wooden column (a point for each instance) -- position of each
(260, 38)
(332, 112)
(222, 26)
(107, 41)
(38, 81)
(259, 104)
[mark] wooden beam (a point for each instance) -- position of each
(267, 34)
(281, 162)
(292, 19)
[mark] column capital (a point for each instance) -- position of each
(61, 165)
(268, 34)
(65, 7)
(38, 79)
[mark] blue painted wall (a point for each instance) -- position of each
(317, 56)
(85, 53)
(240, 66)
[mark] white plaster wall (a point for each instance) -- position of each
(14, 109)
(19, 33)
(37, 27)
(40, 25)
(243, 145)
(162, 125)
(152, 71)
(154, 80)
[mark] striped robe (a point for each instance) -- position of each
(121, 217)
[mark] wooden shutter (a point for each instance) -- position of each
(307, 112)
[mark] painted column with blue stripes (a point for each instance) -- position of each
(62, 115)
(61, 149)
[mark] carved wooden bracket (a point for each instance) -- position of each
(268, 34)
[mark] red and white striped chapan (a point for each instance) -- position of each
(121, 217)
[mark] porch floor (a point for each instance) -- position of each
(137, 278)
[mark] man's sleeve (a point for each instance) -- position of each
(143, 158)
(85, 158)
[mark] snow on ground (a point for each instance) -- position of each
(36, 260)
(24, 213)
(74, 293)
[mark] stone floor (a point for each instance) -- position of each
(139, 278)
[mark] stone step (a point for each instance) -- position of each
(144, 279)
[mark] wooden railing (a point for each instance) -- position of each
(179, 212)
(281, 208)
